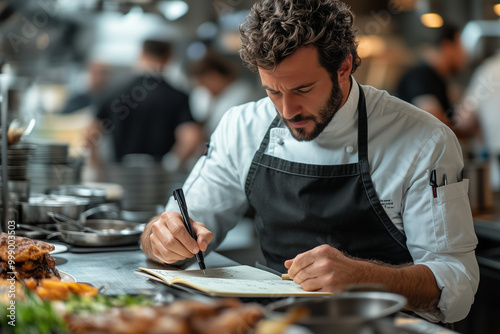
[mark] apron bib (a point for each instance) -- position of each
(302, 206)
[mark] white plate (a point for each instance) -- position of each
(59, 248)
(65, 277)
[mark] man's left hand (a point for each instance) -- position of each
(323, 268)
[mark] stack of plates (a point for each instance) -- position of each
(48, 152)
(143, 188)
(17, 160)
(50, 166)
(146, 186)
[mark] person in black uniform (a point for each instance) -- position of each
(425, 85)
(147, 115)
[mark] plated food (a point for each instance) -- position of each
(26, 258)
(180, 317)
(135, 315)
(30, 263)
(52, 289)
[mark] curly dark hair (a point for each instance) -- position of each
(275, 29)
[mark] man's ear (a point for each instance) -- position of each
(344, 71)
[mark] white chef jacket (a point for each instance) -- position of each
(404, 145)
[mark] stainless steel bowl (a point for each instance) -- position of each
(35, 209)
(111, 233)
(345, 313)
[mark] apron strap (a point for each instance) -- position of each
(366, 175)
(260, 152)
(362, 127)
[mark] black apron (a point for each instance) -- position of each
(302, 206)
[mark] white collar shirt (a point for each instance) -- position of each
(404, 145)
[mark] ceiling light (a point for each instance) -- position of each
(428, 10)
(431, 20)
(173, 10)
(496, 9)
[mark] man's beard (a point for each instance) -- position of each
(321, 121)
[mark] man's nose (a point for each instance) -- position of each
(290, 106)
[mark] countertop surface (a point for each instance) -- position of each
(114, 271)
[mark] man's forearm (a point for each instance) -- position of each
(145, 242)
(416, 282)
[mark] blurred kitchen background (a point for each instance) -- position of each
(58, 56)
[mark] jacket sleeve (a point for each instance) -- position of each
(213, 190)
(439, 230)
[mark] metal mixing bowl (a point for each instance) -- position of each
(345, 313)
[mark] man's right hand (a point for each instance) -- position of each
(169, 240)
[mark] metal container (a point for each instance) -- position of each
(35, 210)
(345, 313)
(108, 232)
(112, 233)
(95, 196)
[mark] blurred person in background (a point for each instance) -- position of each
(479, 113)
(146, 115)
(218, 87)
(98, 79)
(425, 85)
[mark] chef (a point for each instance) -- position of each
(351, 185)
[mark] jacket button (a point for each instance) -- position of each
(279, 141)
(349, 149)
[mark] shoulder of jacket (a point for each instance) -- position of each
(253, 113)
(401, 114)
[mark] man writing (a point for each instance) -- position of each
(338, 172)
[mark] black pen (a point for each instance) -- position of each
(179, 197)
(433, 183)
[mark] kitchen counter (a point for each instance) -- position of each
(114, 272)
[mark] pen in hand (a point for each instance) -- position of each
(179, 197)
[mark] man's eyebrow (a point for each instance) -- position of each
(306, 85)
(267, 88)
